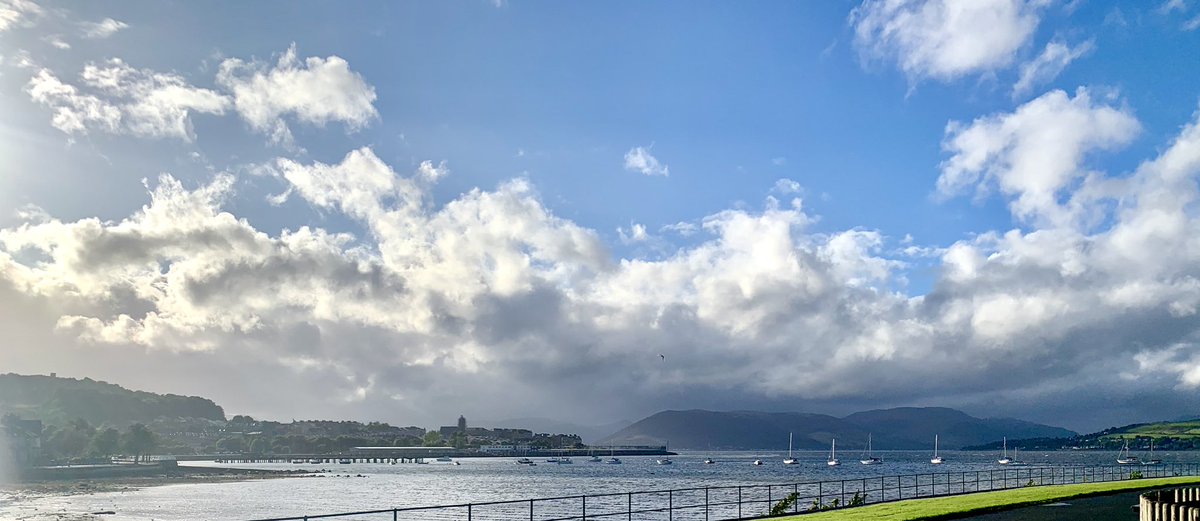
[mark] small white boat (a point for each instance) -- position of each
(868, 459)
(297, 462)
(524, 461)
(790, 460)
(1152, 461)
(757, 462)
(1125, 458)
(565, 461)
(613, 461)
(551, 460)
(936, 460)
(664, 461)
(594, 459)
(1005, 460)
(708, 461)
(833, 461)
(345, 461)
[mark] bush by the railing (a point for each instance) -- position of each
(783, 505)
(858, 500)
(1137, 474)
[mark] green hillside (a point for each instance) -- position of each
(61, 400)
(1188, 430)
(1167, 436)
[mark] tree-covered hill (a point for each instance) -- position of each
(1167, 436)
(61, 400)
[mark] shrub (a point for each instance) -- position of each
(783, 505)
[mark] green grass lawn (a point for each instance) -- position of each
(957, 506)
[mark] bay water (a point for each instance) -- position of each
(370, 486)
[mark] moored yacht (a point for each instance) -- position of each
(790, 460)
(833, 461)
(867, 458)
(1152, 461)
(936, 460)
(1004, 459)
(1125, 458)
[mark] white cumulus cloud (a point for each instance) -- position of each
(638, 159)
(315, 91)
(945, 39)
(102, 29)
(1035, 152)
(120, 99)
(1049, 64)
(14, 13)
(491, 290)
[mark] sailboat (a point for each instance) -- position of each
(833, 461)
(868, 459)
(1125, 458)
(757, 462)
(1152, 461)
(1005, 460)
(790, 460)
(936, 460)
(612, 457)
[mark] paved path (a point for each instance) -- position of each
(1099, 508)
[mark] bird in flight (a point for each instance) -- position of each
(664, 357)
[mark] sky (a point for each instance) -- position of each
(590, 212)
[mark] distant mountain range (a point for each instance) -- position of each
(59, 400)
(899, 428)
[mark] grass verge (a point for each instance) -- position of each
(967, 504)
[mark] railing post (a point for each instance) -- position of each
(468, 512)
(705, 503)
(584, 508)
(530, 510)
(670, 505)
(739, 501)
(629, 505)
(395, 514)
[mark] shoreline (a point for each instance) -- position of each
(24, 490)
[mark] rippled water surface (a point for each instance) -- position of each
(493, 479)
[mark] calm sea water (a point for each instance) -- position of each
(495, 479)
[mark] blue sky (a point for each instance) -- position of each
(835, 120)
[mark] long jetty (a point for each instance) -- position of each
(413, 454)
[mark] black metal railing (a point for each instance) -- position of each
(756, 501)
